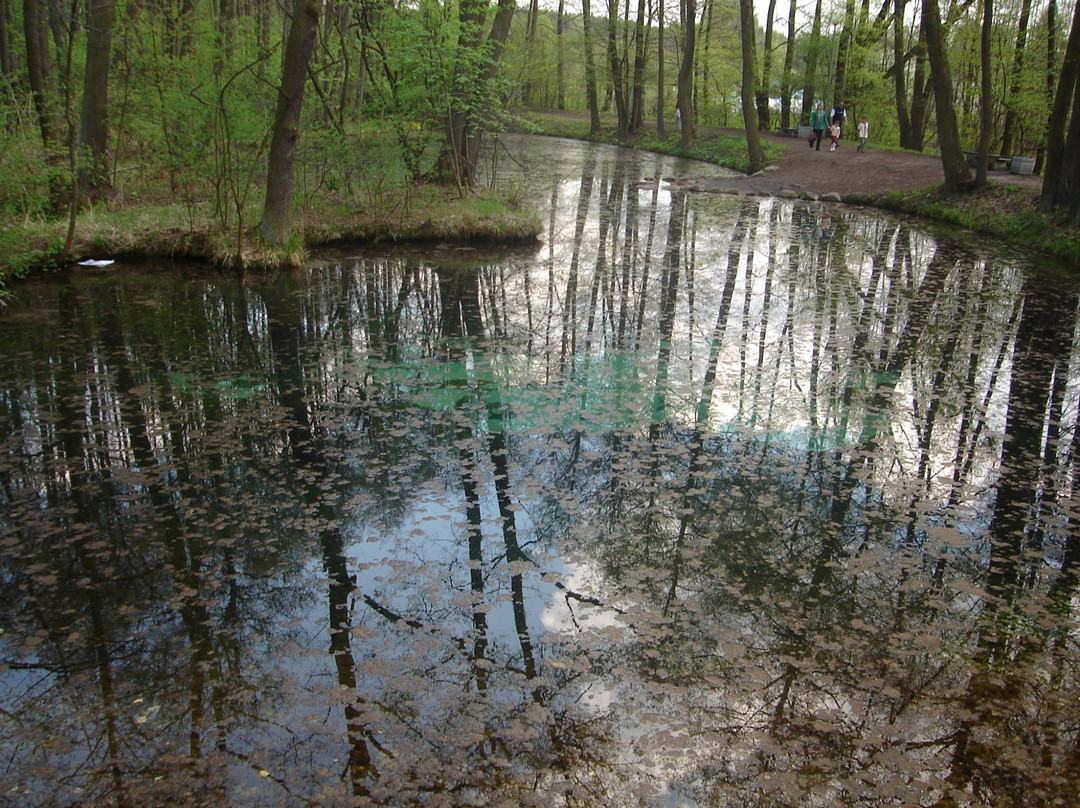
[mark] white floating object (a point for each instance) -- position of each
(96, 262)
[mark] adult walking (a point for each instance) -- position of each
(818, 121)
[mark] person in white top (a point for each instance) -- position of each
(864, 133)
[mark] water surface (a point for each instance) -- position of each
(709, 500)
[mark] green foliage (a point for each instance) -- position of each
(26, 177)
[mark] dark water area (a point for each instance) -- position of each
(707, 501)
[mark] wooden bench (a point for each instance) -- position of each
(787, 131)
(994, 162)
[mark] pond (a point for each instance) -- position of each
(708, 500)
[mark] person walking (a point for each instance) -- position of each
(839, 117)
(864, 133)
(818, 122)
(834, 133)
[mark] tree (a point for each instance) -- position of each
(953, 162)
(986, 95)
(765, 79)
(813, 52)
(659, 69)
(590, 69)
(641, 43)
(789, 63)
(276, 225)
(473, 95)
(1061, 183)
(754, 151)
(615, 60)
(39, 71)
(93, 123)
(1008, 134)
(686, 73)
(911, 118)
(843, 52)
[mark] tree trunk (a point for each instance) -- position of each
(528, 90)
(1008, 134)
(622, 108)
(590, 69)
(660, 71)
(641, 42)
(789, 63)
(93, 124)
(478, 59)
(1056, 181)
(753, 140)
(276, 225)
(811, 63)
(953, 162)
(560, 70)
(843, 53)
(899, 71)
(39, 71)
(7, 68)
(986, 94)
(686, 73)
(921, 90)
(766, 71)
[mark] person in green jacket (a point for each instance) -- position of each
(818, 122)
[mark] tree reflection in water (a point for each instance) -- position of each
(713, 500)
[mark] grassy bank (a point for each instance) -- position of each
(184, 230)
(1002, 211)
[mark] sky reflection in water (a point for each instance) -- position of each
(708, 500)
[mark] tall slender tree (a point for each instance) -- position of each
(276, 225)
(686, 72)
(590, 69)
(615, 62)
(659, 69)
(789, 64)
(953, 161)
(1008, 134)
(94, 120)
(641, 43)
(754, 151)
(986, 94)
(765, 79)
(812, 56)
(1061, 183)
(39, 71)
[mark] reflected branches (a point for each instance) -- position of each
(713, 496)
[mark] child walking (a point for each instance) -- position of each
(864, 133)
(834, 133)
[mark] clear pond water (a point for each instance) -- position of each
(705, 501)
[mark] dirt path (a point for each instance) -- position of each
(806, 171)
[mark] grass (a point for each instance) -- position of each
(183, 230)
(1003, 211)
